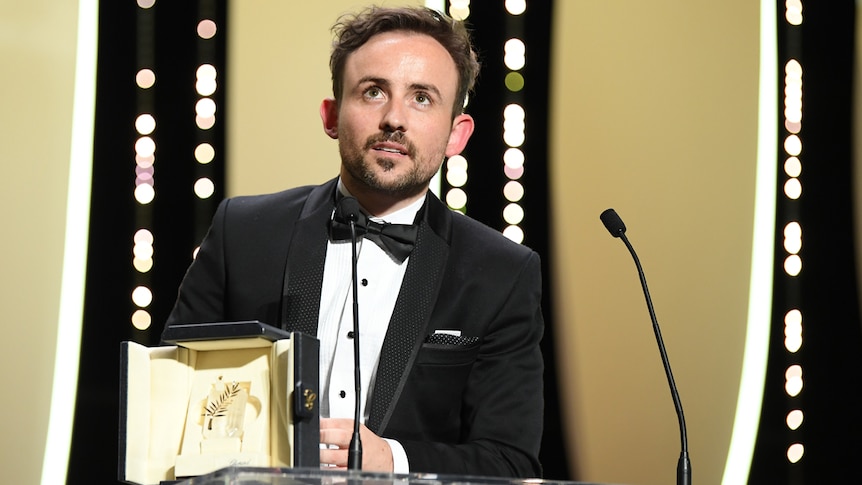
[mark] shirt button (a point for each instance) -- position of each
(364, 282)
(342, 394)
(350, 334)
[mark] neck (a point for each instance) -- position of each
(380, 203)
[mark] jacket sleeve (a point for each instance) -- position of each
(201, 294)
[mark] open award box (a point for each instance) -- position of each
(222, 394)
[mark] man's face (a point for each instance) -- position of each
(394, 123)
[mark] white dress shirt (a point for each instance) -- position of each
(380, 279)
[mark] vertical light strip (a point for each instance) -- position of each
(751, 384)
(60, 420)
(143, 258)
(793, 318)
(436, 181)
(457, 167)
(514, 120)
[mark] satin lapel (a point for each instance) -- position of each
(412, 312)
(303, 274)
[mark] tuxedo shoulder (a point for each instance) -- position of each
(275, 198)
(476, 236)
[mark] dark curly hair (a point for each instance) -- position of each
(352, 31)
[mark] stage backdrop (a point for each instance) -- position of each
(654, 113)
(37, 61)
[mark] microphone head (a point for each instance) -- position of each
(347, 209)
(613, 223)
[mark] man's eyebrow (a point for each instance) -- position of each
(427, 87)
(373, 80)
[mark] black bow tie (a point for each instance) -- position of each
(396, 240)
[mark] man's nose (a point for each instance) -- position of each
(394, 118)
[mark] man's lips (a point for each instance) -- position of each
(392, 148)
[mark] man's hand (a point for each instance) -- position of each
(335, 435)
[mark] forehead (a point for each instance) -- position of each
(402, 56)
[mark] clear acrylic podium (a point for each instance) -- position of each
(313, 476)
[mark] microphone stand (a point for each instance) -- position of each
(615, 226)
(683, 467)
(354, 452)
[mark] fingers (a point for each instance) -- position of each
(335, 435)
(333, 458)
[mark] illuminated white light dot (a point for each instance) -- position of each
(793, 265)
(143, 251)
(513, 173)
(793, 237)
(205, 107)
(142, 265)
(793, 317)
(205, 123)
(459, 9)
(514, 233)
(204, 153)
(513, 214)
(146, 3)
(793, 126)
(514, 112)
(514, 57)
(457, 162)
(205, 71)
(205, 87)
(794, 419)
(793, 145)
(141, 319)
(456, 199)
(793, 380)
(795, 452)
(145, 78)
(206, 29)
(456, 177)
(204, 188)
(513, 191)
(145, 147)
(145, 162)
(516, 7)
(793, 13)
(195, 252)
(793, 188)
(145, 124)
(793, 330)
(793, 343)
(793, 67)
(793, 229)
(142, 296)
(144, 193)
(143, 236)
(513, 157)
(513, 138)
(514, 124)
(793, 167)
(459, 13)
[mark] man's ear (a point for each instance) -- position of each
(462, 128)
(329, 115)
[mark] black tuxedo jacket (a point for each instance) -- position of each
(474, 407)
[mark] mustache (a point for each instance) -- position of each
(391, 136)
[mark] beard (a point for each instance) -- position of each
(368, 167)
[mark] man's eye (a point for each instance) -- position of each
(373, 93)
(422, 99)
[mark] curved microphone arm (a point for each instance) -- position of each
(617, 228)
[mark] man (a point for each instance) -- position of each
(451, 366)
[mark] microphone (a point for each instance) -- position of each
(617, 228)
(348, 210)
